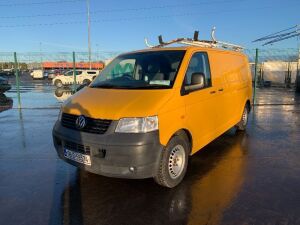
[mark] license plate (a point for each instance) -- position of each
(77, 157)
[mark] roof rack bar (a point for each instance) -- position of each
(147, 43)
(160, 40)
(196, 35)
(196, 42)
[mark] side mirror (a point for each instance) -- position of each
(197, 82)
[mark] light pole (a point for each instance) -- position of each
(41, 56)
(97, 48)
(89, 32)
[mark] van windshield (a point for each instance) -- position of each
(143, 70)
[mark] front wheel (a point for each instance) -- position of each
(244, 120)
(173, 162)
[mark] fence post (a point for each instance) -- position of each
(17, 79)
(74, 73)
(255, 76)
(298, 73)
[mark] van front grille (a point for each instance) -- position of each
(96, 126)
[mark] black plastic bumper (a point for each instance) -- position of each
(112, 154)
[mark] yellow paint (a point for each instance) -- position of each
(204, 115)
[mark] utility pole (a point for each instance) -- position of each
(89, 32)
(97, 48)
(298, 69)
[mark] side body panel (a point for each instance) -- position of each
(206, 116)
(233, 90)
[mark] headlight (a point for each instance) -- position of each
(137, 125)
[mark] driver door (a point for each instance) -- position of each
(201, 103)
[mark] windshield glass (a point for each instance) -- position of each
(143, 70)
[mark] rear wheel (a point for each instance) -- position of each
(244, 120)
(58, 83)
(173, 162)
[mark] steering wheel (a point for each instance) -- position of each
(127, 76)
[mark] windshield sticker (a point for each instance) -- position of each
(160, 82)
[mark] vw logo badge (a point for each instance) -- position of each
(80, 122)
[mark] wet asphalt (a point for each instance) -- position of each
(246, 178)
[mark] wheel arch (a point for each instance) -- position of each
(248, 104)
(185, 132)
(57, 80)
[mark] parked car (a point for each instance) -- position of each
(7, 72)
(82, 77)
(149, 110)
(4, 85)
(5, 102)
(53, 73)
(37, 74)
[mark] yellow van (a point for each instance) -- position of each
(149, 110)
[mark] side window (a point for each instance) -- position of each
(198, 64)
(91, 72)
(69, 73)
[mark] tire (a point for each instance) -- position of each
(244, 120)
(58, 83)
(86, 82)
(168, 174)
(59, 92)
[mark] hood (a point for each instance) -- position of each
(116, 103)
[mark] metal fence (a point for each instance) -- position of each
(275, 67)
(271, 68)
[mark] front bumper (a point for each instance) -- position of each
(112, 154)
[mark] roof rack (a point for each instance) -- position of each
(196, 42)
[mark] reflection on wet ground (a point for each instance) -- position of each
(243, 178)
(62, 94)
(277, 96)
(35, 95)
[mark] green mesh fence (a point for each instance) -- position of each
(277, 68)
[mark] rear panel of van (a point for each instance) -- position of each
(231, 74)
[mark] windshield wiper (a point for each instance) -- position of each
(104, 86)
(131, 87)
(151, 87)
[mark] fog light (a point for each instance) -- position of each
(131, 169)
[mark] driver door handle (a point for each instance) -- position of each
(221, 89)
